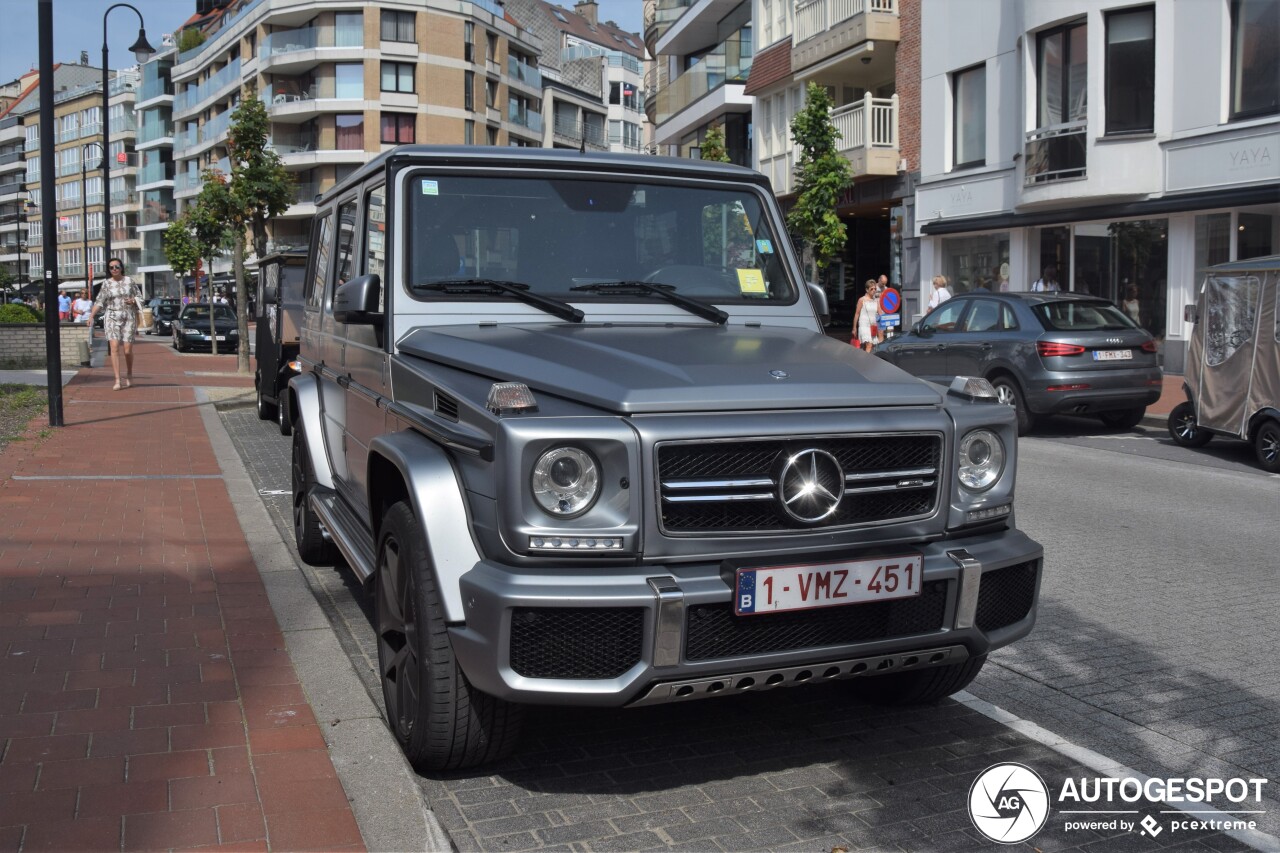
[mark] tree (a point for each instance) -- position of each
(822, 175)
(189, 38)
(210, 220)
(180, 248)
(260, 189)
(713, 145)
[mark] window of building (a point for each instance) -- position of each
(491, 47)
(348, 80)
(398, 128)
(348, 29)
(468, 132)
(969, 117)
(1131, 71)
(981, 260)
(468, 41)
(350, 132)
(468, 90)
(1255, 58)
(1062, 71)
(1254, 233)
(397, 26)
(397, 77)
(491, 93)
(492, 135)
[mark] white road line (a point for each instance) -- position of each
(1103, 766)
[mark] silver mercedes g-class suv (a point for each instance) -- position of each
(574, 420)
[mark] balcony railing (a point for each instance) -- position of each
(155, 172)
(525, 117)
(814, 17)
(154, 128)
(310, 38)
(524, 72)
(154, 88)
(226, 77)
(730, 62)
(576, 131)
(1056, 152)
(123, 124)
(666, 14)
(869, 123)
(294, 143)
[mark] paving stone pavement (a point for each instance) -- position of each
(810, 769)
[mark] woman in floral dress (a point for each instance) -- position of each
(119, 298)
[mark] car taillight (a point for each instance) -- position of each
(1048, 349)
(1149, 346)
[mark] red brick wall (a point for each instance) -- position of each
(907, 82)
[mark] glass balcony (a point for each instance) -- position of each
(192, 96)
(154, 172)
(1055, 153)
(154, 127)
(91, 130)
(154, 88)
(666, 14)
(123, 124)
(310, 38)
(524, 72)
(730, 62)
(294, 143)
(525, 117)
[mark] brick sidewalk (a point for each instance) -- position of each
(146, 697)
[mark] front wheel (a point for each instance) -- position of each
(1008, 392)
(1266, 446)
(922, 686)
(282, 414)
(1183, 428)
(313, 548)
(266, 410)
(439, 719)
(1123, 418)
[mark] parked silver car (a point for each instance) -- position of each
(1045, 353)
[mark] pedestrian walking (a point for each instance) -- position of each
(122, 301)
(865, 317)
(940, 292)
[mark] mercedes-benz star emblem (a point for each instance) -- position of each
(810, 485)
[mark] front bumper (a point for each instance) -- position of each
(661, 633)
(204, 340)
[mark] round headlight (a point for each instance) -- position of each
(565, 481)
(981, 460)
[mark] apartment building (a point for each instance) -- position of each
(153, 112)
(702, 55)
(865, 53)
(79, 190)
(1128, 145)
(343, 81)
(592, 73)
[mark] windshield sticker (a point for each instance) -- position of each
(751, 283)
(430, 188)
(764, 247)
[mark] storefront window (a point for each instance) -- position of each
(1126, 262)
(1213, 241)
(1254, 234)
(979, 261)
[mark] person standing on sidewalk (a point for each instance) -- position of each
(121, 300)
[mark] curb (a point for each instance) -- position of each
(390, 806)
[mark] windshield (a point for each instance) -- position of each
(1075, 316)
(557, 235)
(201, 312)
(166, 312)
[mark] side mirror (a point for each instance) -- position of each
(356, 302)
(921, 329)
(820, 306)
(1189, 314)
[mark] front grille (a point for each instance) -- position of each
(575, 642)
(713, 631)
(733, 486)
(1006, 596)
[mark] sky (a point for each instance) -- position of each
(77, 26)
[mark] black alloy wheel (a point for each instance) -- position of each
(439, 719)
(267, 410)
(282, 413)
(313, 547)
(1008, 392)
(1183, 428)
(1266, 446)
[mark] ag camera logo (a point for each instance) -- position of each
(1009, 803)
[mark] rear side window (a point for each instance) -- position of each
(1231, 308)
(1074, 316)
(321, 247)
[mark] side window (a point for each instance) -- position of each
(375, 236)
(268, 284)
(346, 241)
(321, 245)
(1007, 320)
(946, 317)
(984, 317)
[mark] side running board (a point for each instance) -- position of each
(346, 531)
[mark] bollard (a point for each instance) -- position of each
(84, 353)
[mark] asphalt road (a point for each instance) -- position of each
(1152, 651)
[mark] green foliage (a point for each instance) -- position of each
(713, 145)
(15, 313)
(180, 247)
(260, 186)
(189, 38)
(822, 175)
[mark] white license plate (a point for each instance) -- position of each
(222, 337)
(780, 588)
(1112, 354)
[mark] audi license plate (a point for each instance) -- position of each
(781, 588)
(1112, 354)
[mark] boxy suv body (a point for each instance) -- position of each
(575, 419)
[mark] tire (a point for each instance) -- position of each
(1008, 392)
(1266, 446)
(282, 414)
(179, 344)
(313, 548)
(921, 686)
(266, 411)
(1123, 418)
(1183, 428)
(439, 719)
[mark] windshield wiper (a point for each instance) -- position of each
(666, 291)
(518, 289)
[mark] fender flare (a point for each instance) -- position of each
(436, 495)
(304, 405)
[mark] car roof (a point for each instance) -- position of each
(1037, 298)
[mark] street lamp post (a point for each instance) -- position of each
(142, 51)
(84, 206)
